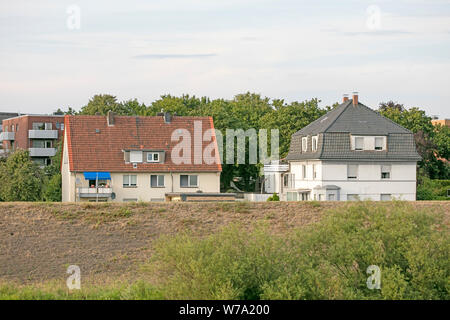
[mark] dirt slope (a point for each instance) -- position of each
(39, 240)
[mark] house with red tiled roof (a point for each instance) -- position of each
(134, 158)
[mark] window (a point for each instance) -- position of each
(303, 171)
(314, 171)
(38, 126)
(305, 196)
(57, 125)
(62, 126)
(304, 144)
(286, 180)
(314, 143)
(352, 171)
(129, 181)
(331, 197)
(129, 200)
(17, 127)
(188, 181)
(292, 196)
(352, 197)
(152, 157)
(379, 142)
(48, 126)
(157, 181)
(385, 197)
(136, 156)
(48, 144)
(321, 197)
(385, 172)
(359, 143)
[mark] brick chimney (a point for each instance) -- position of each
(110, 118)
(355, 99)
(345, 98)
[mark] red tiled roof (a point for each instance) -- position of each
(103, 151)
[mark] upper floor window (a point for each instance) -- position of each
(314, 171)
(188, 181)
(136, 156)
(352, 171)
(153, 157)
(385, 172)
(303, 171)
(314, 143)
(304, 144)
(379, 143)
(359, 143)
(368, 143)
(129, 180)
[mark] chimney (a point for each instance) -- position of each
(167, 117)
(355, 99)
(345, 98)
(110, 118)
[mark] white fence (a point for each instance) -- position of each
(257, 197)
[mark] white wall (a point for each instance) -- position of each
(369, 185)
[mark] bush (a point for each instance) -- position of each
(433, 189)
(327, 260)
(274, 197)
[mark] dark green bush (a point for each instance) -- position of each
(274, 197)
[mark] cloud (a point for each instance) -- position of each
(175, 56)
(376, 33)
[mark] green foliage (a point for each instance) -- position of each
(274, 197)
(442, 141)
(21, 178)
(52, 190)
(433, 189)
(325, 261)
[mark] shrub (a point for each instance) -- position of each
(274, 197)
(327, 260)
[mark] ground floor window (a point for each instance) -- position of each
(331, 197)
(188, 181)
(129, 200)
(129, 180)
(385, 197)
(352, 197)
(292, 196)
(157, 181)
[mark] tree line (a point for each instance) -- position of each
(244, 111)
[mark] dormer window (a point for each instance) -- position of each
(153, 157)
(379, 143)
(304, 144)
(314, 143)
(359, 143)
(135, 156)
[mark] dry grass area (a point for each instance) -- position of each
(39, 240)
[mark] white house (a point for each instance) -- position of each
(350, 153)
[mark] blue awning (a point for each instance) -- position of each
(97, 175)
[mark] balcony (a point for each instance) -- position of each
(7, 136)
(43, 134)
(42, 152)
(94, 192)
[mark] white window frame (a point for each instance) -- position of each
(356, 139)
(305, 144)
(389, 171)
(382, 143)
(135, 156)
(315, 140)
(190, 185)
(151, 157)
(314, 168)
(129, 184)
(304, 172)
(158, 181)
(348, 172)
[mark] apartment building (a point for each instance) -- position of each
(38, 134)
(131, 158)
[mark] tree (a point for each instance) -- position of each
(21, 178)
(102, 103)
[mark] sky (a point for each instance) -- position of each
(58, 54)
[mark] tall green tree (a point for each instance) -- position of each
(21, 178)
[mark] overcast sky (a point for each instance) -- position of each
(387, 50)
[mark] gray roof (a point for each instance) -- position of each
(354, 119)
(333, 130)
